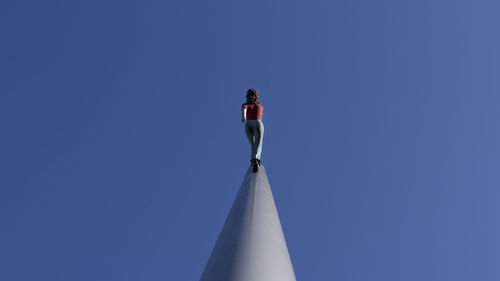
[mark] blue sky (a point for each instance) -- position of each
(121, 147)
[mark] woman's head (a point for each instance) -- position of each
(252, 96)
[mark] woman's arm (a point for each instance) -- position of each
(243, 114)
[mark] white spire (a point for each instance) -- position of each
(251, 245)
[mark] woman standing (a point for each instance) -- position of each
(252, 111)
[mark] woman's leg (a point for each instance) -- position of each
(259, 136)
(250, 136)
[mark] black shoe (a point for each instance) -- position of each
(255, 168)
(255, 165)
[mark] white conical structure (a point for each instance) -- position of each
(251, 245)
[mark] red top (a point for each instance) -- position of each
(254, 111)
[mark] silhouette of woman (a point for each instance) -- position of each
(251, 112)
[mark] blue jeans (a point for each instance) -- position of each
(255, 133)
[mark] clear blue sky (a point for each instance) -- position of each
(121, 148)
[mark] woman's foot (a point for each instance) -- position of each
(255, 165)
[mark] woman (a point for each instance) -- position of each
(252, 111)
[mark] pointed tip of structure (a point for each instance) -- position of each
(261, 168)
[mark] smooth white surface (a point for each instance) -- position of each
(251, 245)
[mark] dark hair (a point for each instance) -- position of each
(252, 96)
